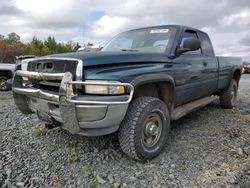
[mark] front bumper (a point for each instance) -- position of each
(85, 115)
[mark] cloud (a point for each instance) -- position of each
(226, 21)
(9, 8)
(103, 29)
(245, 41)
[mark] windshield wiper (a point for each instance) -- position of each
(129, 50)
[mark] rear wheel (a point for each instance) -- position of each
(228, 97)
(3, 86)
(144, 130)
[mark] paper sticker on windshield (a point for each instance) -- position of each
(159, 31)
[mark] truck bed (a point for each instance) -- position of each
(227, 65)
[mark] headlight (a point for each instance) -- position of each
(104, 90)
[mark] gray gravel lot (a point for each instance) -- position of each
(210, 147)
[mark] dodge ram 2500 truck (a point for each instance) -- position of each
(140, 81)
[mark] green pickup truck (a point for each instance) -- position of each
(140, 81)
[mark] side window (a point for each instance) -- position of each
(190, 34)
(206, 45)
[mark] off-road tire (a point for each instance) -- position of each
(228, 97)
(3, 86)
(133, 126)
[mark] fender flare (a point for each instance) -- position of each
(234, 69)
(152, 78)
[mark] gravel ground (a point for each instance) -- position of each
(208, 148)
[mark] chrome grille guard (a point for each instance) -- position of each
(66, 88)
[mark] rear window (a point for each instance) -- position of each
(206, 45)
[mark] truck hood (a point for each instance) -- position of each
(107, 58)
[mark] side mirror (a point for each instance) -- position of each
(189, 44)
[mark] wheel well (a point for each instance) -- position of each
(236, 76)
(6, 73)
(161, 90)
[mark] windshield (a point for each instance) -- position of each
(142, 40)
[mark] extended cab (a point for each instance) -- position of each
(140, 81)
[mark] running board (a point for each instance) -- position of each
(183, 110)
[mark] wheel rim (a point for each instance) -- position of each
(233, 94)
(3, 84)
(152, 130)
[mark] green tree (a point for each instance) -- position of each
(12, 46)
(51, 44)
(77, 46)
(35, 47)
(45, 51)
(13, 39)
(61, 48)
(15, 45)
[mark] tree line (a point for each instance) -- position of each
(11, 46)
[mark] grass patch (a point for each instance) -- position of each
(129, 158)
(76, 148)
(3, 98)
(184, 168)
(88, 168)
(244, 186)
(74, 159)
(93, 184)
(74, 151)
(37, 132)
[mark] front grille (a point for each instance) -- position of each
(51, 66)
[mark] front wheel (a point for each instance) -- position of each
(3, 86)
(144, 130)
(228, 97)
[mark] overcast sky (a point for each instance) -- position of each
(226, 21)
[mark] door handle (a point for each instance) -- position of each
(204, 64)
